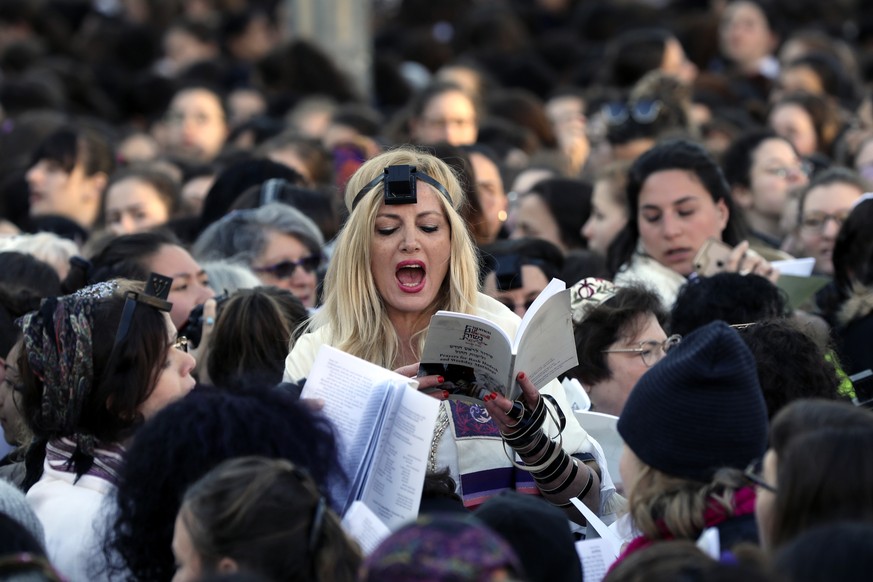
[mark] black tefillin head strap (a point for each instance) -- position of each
(400, 185)
(155, 295)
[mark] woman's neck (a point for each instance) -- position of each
(407, 326)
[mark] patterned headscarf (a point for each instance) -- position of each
(59, 345)
(588, 294)
(442, 548)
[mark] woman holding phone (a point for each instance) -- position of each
(678, 199)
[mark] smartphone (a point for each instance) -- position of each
(712, 257)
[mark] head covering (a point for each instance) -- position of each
(538, 532)
(441, 548)
(59, 345)
(13, 504)
(699, 409)
(587, 295)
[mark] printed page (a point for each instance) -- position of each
(352, 398)
(545, 344)
(596, 558)
(613, 542)
(365, 450)
(471, 353)
(396, 479)
(363, 526)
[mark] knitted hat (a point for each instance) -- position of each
(538, 532)
(699, 409)
(444, 548)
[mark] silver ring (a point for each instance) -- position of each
(209, 321)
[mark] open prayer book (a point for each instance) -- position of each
(384, 427)
(600, 549)
(476, 357)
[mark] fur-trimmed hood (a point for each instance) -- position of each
(858, 305)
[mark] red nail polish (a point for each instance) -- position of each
(521, 376)
(440, 379)
(494, 396)
(488, 397)
(445, 394)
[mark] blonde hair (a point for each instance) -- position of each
(662, 505)
(352, 306)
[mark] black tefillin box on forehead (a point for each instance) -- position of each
(400, 185)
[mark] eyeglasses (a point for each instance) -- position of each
(181, 343)
(754, 474)
(643, 111)
(818, 220)
(650, 350)
(286, 269)
(785, 172)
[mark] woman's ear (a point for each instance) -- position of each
(227, 566)
(723, 213)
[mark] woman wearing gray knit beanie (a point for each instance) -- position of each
(691, 425)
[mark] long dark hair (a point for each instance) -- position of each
(679, 154)
(853, 250)
(838, 488)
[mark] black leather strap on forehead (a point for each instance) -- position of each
(400, 185)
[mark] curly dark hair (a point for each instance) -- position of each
(791, 364)
(187, 439)
(729, 297)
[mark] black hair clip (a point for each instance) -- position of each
(400, 185)
(156, 291)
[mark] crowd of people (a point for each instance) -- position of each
(193, 201)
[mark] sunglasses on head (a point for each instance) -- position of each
(286, 269)
(643, 111)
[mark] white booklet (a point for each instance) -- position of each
(596, 553)
(476, 357)
(384, 426)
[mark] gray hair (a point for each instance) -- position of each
(229, 277)
(241, 235)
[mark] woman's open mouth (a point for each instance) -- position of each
(411, 276)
